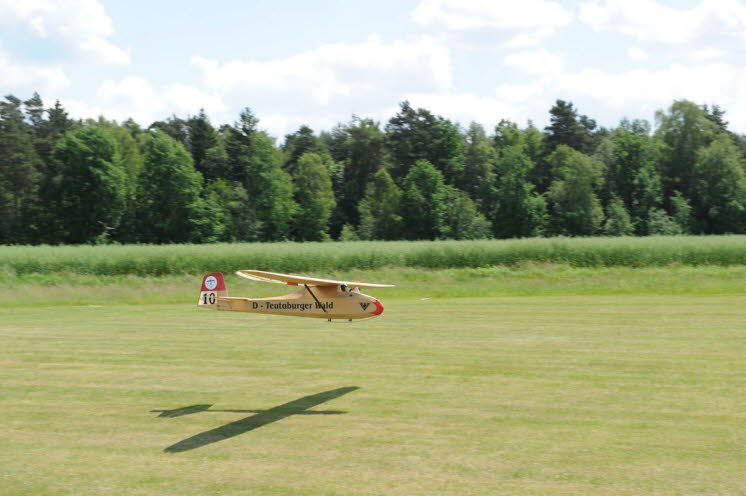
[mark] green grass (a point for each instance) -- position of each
(522, 280)
(622, 395)
(608, 381)
(302, 257)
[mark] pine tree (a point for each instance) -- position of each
(478, 177)
(201, 137)
(176, 127)
(298, 144)
(43, 222)
(19, 176)
(414, 135)
(569, 128)
(239, 146)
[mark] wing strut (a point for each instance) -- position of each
(314, 297)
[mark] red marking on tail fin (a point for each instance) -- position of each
(213, 282)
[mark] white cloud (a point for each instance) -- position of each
(336, 70)
(139, 99)
(15, 75)
(649, 20)
(331, 82)
(466, 107)
(529, 38)
(83, 23)
(497, 14)
(538, 61)
(611, 96)
(707, 54)
(636, 53)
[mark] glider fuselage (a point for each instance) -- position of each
(324, 302)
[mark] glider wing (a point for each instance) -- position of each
(295, 280)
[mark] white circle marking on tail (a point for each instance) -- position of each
(211, 283)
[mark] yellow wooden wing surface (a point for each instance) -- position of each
(294, 280)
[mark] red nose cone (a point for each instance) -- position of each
(379, 307)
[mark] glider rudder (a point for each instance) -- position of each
(213, 287)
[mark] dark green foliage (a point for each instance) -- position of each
(647, 196)
(660, 223)
(414, 135)
(628, 149)
(299, 143)
(34, 110)
(520, 212)
(618, 221)
(683, 131)
(19, 176)
(682, 212)
(201, 137)
(360, 149)
(478, 176)
(715, 114)
(237, 220)
(379, 209)
(720, 187)
(132, 163)
(507, 134)
(423, 205)
(422, 177)
(217, 164)
(569, 128)
(461, 220)
(92, 188)
(175, 127)
(239, 148)
(42, 222)
(169, 206)
(315, 199)
(576, 209)
(269, 191)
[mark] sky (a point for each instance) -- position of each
(319, 63)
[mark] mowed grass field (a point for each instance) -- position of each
(541, 380)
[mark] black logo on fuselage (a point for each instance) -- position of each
(364, 306)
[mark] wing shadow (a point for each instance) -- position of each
(260, 419)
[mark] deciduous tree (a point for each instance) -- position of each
(573, 196)
(93, 185)
(315, 199)
(379, 209)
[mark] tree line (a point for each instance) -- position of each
(419, 176)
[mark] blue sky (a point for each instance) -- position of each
(317, 63)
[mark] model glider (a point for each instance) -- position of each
(327, 300)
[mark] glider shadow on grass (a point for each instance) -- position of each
(260, 418)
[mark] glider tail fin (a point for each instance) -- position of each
(213, 287)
